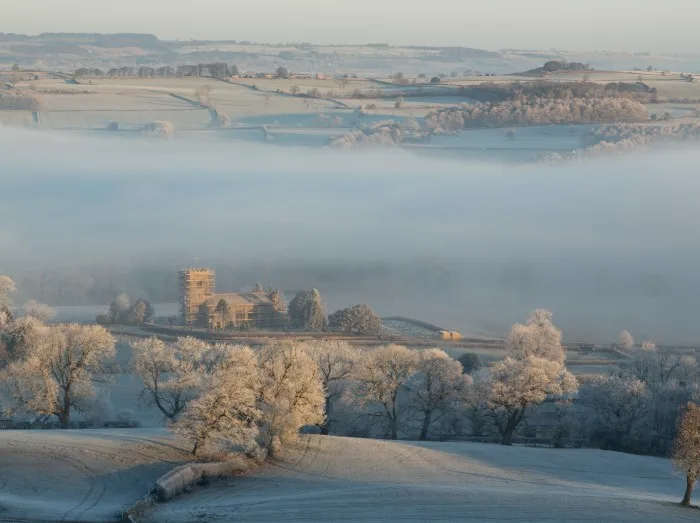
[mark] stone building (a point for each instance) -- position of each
(201, 306)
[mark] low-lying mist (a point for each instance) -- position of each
(607, 244)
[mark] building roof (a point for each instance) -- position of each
(247, 298)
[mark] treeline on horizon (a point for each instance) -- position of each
(98, 284)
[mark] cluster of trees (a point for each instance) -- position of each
(616, 133)
(123, 312)
(159, 129)
(621, 139)
(211, 70)
(562, 65)
(490, 92)
(637, 407)
(15, 100)
(48, 370)
(493, 92)
(536, 111)
(261, 399)
(382, 133)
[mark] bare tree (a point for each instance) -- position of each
(619, 404)
(336, 362)
(399, 102)
(654, 367)
(294, 90)
(56, 374)
(172, 375)
(538, 337)
(686, 451)
(382, 375)
(434, 387)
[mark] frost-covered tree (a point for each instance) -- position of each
(625, 340)
(648, 345)
(119, 307)
(203, 94)
(172, 374)
(538, 338)
(55, 374)
(290, 395)
(308, 311)
(139, 313)
(7, 287)
(382, 375)
(686, 451)
(159, 129)
(39, 311)
(20, 334)
(538, 110)
(360, 319)
(227, 409)
(435, 386)
(619, 404)
(336, 362)
(516, 385)
(656, 367)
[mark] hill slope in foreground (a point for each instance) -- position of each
(80, 475)
(91, 475)
(363, 480)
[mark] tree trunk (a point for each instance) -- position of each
(64, 417)
(326, 426)
(690, 483)
(425, 427)
(507, 436)
(393, 421)
(511, 425)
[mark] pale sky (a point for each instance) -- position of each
(625, 25)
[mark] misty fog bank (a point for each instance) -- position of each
(608, 244)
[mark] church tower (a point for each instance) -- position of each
(196, 285)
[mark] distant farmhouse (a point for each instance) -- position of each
(201, 306)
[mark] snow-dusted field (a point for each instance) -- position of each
(80, 475)
(343, 479)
